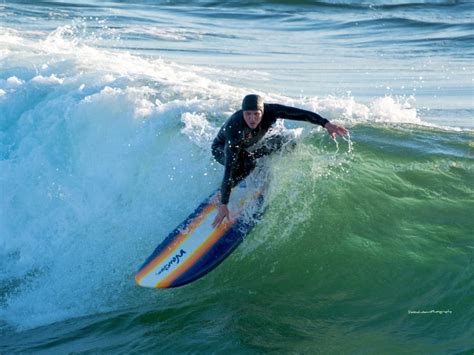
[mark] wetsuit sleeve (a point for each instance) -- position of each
(231, 152)
(297, 114)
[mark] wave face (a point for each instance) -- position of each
(107, 114)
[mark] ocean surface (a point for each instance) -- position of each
(107, 113)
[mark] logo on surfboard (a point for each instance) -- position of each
(175, 260)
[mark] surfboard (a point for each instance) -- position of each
(194, 247)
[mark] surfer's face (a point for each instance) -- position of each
(253, 118)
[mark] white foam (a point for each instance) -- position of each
(389, 109)
(346, 110)
(198, 129)
(52, 79)
(13, 81)
(98, 147)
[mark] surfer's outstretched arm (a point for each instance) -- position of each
(298, 114)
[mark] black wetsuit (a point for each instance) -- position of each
(230, 146)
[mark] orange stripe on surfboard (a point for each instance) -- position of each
(175, 244)
(213, 238)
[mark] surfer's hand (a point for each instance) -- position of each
(334, 129)
(223, 212)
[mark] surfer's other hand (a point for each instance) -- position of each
(334, 130)
(222, 212)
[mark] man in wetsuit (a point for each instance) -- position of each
(245, 128)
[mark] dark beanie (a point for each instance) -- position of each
(252, 103)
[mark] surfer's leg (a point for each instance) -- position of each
(244, 167)
(273, 144)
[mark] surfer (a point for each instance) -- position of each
(233, 145)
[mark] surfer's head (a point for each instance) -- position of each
(252, 107)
